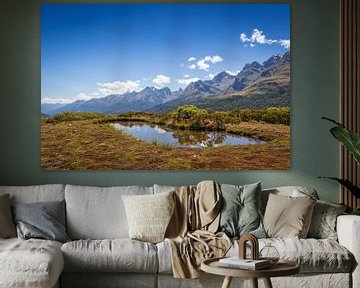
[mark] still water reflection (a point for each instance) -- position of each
(182, 138)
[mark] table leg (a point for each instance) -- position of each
(254, 282)
(267, 283)
(227, 282)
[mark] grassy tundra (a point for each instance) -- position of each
(80, 141)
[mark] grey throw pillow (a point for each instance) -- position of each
(323, 222)
(7, 226)
(43, 220)
(240, 213)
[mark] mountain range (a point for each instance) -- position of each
(255, 86)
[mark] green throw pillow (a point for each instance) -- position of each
(240, 213)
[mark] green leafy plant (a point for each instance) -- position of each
(351, 141)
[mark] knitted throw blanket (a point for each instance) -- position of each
(191, 232)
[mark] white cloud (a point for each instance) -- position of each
(161, 81)
(82, 96)
(232, 73)
(211, 75)
(213, 59)
(187, 81)
(191, 59)
(244, 38)
(204, 63)
(285, 43)
(259, 37)
(118, 87)
(192, 66)
(187, 76)
(48, 100)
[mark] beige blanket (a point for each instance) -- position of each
(191, 231)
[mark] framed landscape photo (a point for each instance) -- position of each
(165, 86)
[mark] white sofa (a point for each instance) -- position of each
(101, 255)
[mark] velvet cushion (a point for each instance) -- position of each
(288, 217)
(7, 226)
(149, 215)
(43, 220)
(240, 213)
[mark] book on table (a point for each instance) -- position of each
(236, 262)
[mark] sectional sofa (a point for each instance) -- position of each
(101, 254)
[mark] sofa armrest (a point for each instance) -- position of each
(348, 230)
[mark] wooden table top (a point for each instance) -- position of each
(281, 268)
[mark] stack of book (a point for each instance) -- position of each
(248, 264)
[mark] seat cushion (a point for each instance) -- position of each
(30, 263)
(313, 255)
(117, 255)
(98, 213)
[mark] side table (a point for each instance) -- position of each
(281, 268)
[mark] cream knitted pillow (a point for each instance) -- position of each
(149, 215)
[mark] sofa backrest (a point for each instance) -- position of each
(293, 191)
(98, 212)
(36, 193)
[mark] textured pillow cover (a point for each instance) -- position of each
(7, 226)
(149, 215)
(240, 213)
(288, 217)
(43, 220)
(323, 222)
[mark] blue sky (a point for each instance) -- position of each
(94, 50)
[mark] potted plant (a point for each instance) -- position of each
(351, 141)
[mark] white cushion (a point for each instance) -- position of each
(30, 263)
(98, 213)
(117, 255)
(149, 215)
(37, 193)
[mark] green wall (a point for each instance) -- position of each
(314, 87)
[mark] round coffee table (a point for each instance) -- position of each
(281, 268)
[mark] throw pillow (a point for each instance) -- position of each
(288, 217)
(323, 222)
(240, 213)
(149, 215)
(43, 220)
(7, 227)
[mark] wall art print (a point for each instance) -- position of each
(165, 86)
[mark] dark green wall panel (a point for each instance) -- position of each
(315, 73)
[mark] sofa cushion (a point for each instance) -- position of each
(323, 222)
(117, 255)
(287, 216)
(30, 263)
(291, 191)
(7, 226)
(148, 216)
(313, 255)
(42, 220)
(240, 210)
(98, 213)
(36, 193)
